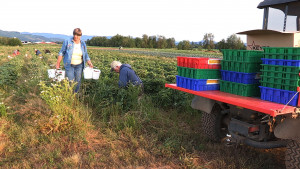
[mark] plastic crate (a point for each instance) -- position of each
(229, 54)
(271, 79)
(275, 68)
(250, 56)
(199, 73)
(292, 53)
(246, 67)
(275, 74)
(242, 55)
(199, 63)
(249, 90)
(281, 62)
(274, 53)
(197, 84)
(226, 65)
(239, 77)
(279, 96)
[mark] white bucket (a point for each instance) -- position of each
(57, 75)
(60, 75)
(88, 73)
(96, 73)
(51, 73)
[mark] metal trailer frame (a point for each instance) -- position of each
(256, 104)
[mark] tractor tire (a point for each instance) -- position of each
(213, 124)
(292, 155)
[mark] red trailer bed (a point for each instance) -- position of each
(273, 109)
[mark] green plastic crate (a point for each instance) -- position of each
(292, 53)
(249, 90)
(271, 79)
(250, 56)
(246, 67)
(274, 52)
(271, 85)
(275, 74)
(225, 65)
(275, 68)
(199, 73)
(242, 55)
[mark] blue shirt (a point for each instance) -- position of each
(127, 75)
(67, 50)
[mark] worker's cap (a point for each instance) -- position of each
(114, 64)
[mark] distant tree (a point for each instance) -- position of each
(128, 42)
(234, 42)
(98, 41)
(184, 45)
(171, 43)
(116, 40)
(10, 41)
(145, 41)
(208, 41)
(152, 42)
(138, 42)
(222, 44)
(161, 42)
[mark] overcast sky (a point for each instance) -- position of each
(180, 19)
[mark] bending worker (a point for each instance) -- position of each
(127, 75)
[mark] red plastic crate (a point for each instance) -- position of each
(199, 63)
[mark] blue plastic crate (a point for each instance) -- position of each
(240, 77)
(197, 84)
(281, 62)
(279, 96)
(273, 61)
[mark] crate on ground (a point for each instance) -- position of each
(279, 96)
(199, 62)
(239, 77)
(199, 73)
(249, 90)
(197, 84)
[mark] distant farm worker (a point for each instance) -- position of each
(16, 52)
(127, 75)
(75, 56)
(37, 52)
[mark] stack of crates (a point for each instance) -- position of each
(240, 72)
(198, 74)
(280, 75)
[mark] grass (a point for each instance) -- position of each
(47, 126)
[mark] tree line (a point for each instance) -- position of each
(161, 42)
(10, 41)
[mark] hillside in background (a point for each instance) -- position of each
(39, 37)
(56, 36)
(27, 37)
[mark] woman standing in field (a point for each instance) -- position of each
(75, 56)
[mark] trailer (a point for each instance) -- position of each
(251, 120)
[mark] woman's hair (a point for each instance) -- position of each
(77, 31)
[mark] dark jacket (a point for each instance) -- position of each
(127, 75)
(37, 52)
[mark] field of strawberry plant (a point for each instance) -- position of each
(43, 124)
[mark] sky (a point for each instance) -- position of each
(179, 19)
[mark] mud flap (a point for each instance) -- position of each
(203, 104)
(288, 129)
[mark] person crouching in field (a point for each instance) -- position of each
(75, 56)
(127, 74)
